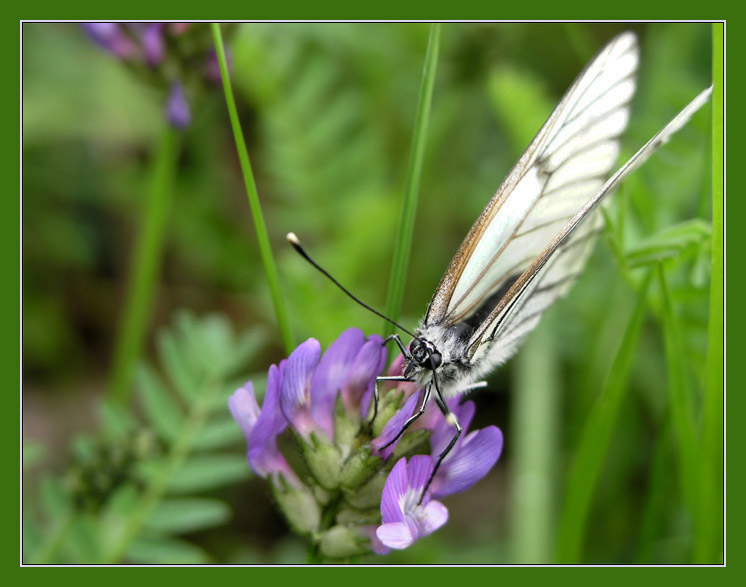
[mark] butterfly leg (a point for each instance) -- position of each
(376, 395)
(405, 352)
(453, 421)
(410, 421)
(399, 343)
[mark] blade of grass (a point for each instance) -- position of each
(589, 456)
(265, 249)
(403, 242)
(146, 263)
(680, 405)
(534, 418)
(709, 545)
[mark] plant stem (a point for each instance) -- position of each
(265, 249)
(535, 422)
(709, 544)
(403, 242)
(145, 266)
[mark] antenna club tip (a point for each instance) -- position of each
(293, 239)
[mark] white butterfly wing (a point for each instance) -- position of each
(549, 275)
(565, 164)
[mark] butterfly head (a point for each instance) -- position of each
(425, 355)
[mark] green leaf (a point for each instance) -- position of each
(83, 540)
(670, 242)
(207, 472)
(165, 550)
(709, 542)
(594, 442)
(162, 411)
(187, 515)
(177, 365)
(117, 420)
(218, 434)
(680, 403)
(54, 498)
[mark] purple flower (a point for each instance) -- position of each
(404, 519)
(177, 107)
(470, 459)
(394, 426)
(111, 37)
(311, 386)
(295, 394)
(262, 427)
(154, 43)
(325, 399)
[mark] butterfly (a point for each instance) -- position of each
(531, 241)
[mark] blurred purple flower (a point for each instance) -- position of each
(112, 37)
(177, 107)
(404, 519)
(212, 66)
(154, 43)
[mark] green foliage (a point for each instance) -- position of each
(132, 492)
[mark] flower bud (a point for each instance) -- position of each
(342, 542)
(323, 459)
(369, 495)
(358, 469)
(299, 506)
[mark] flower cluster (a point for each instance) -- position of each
(338, 477)
(176, 56)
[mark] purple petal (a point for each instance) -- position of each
(264, 455)
(244, 408)
(295, 395)
(375, 543)
(330, 376)
(177, 108)
(393, 493)
(396, 535)
(153, 43)
(432, 516)
(394, 426)
(471, 461)
(443, 432)
(111, 37)
(362, 373)
(419, 471)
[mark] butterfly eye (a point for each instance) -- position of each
(418, 352)
(435, 360)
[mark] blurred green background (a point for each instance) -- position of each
(328, 112)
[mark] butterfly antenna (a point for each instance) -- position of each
(295, 241)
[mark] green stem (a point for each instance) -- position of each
(403, 242)
(709, 545)
(534, 473)
(594, 442)
(265, 249)
(146, 264)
